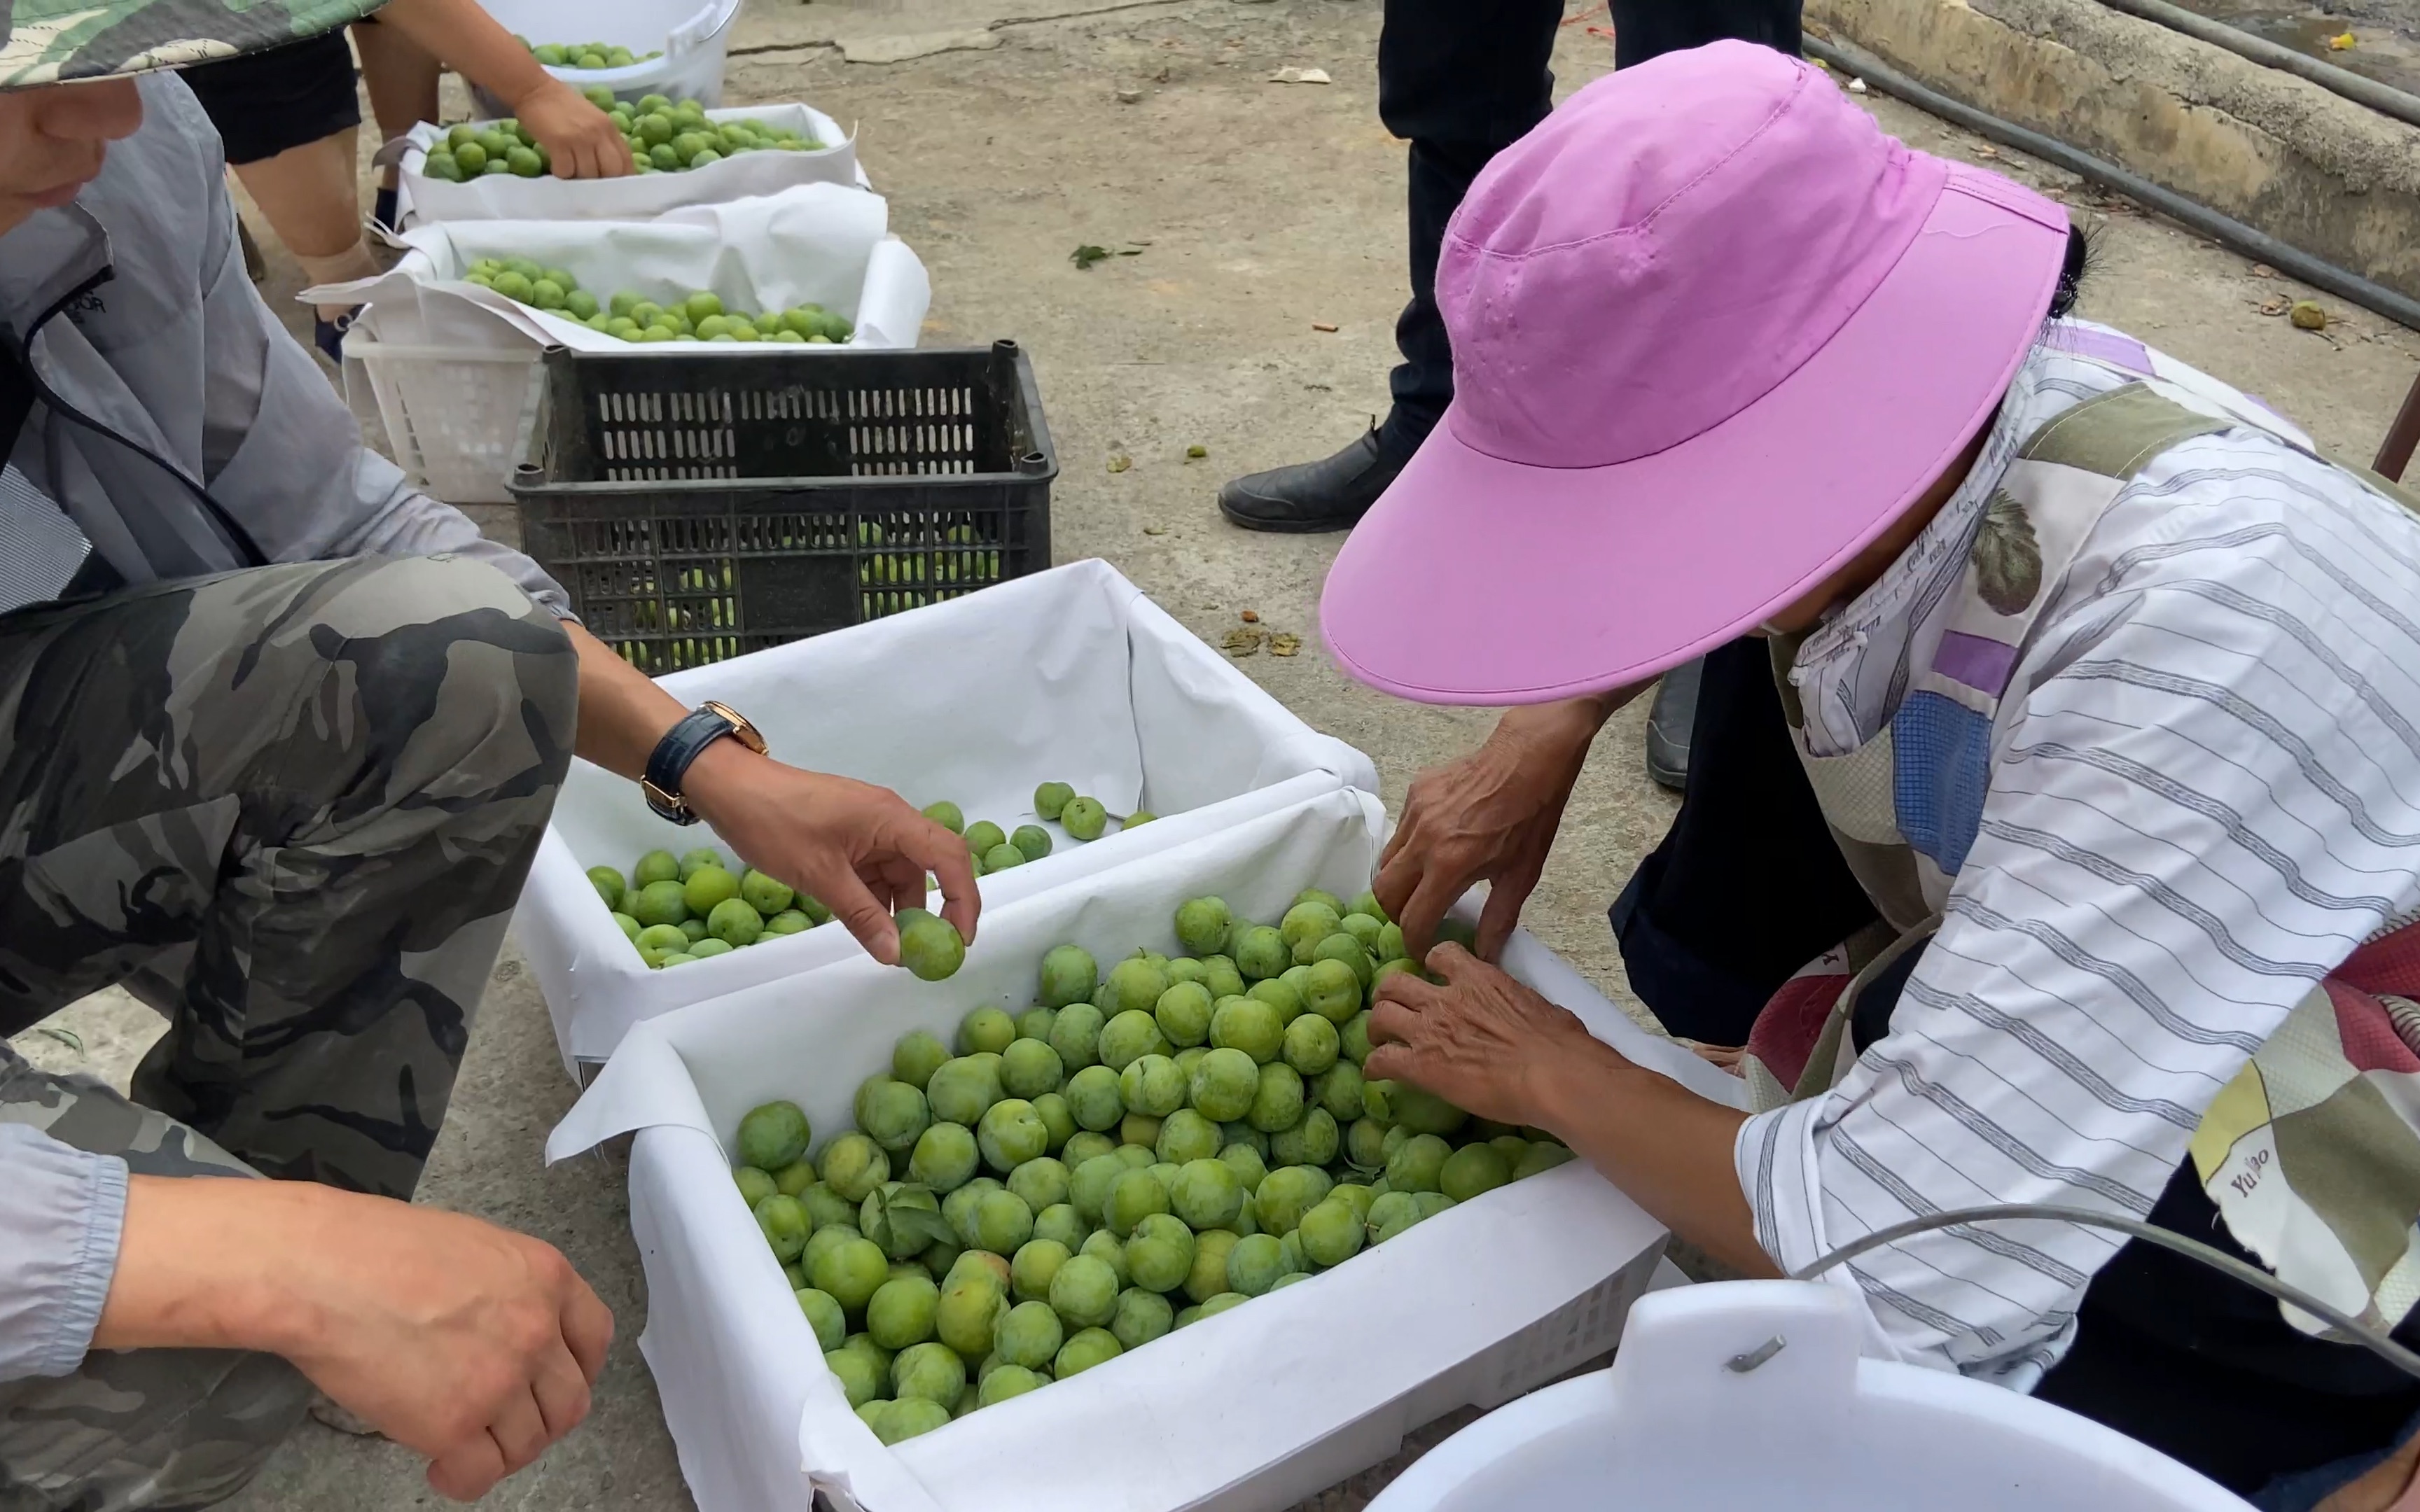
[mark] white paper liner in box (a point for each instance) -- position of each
(1245, 1410)
(1068, 675)
(634, 196)
(813, 244)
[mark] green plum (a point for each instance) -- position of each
(1311, 1142)
(707, 888)
(1131, 1035)
(1240, 1133)
(1051, 1109)
(1084, 818)
(1159, 1252)
(1543, 1156)
(1286, 1194)
(1139, 1129)
(1225, 1082)
(1186, 1059)
(732, 921)
(1095, 1097)
(786, 1226)
(1068, 976)
(788, 921)
(1248, 1025)
(963, 1090)
(1331, 1232)
(1084, 1293)
(1076, 1034)
(982, 836)
(1305, 925)
(659, 903)
(1085, 1144)
(985, 1030)
(1365, 930)
(1339, 1089)
(1354, 1037)
(1035, 1023)
(945, 1157)
(1061, 1224)
(1220, 975)
(1182, 1014)
(893, 1114)
(772, 1135)
(767, 895)
(826, 1205)
(861, 1380)
(654, 866)
(1041, 1181)
(1311, 1044)
(1354, 1195)
(1431, 1203)
(1011, 1134)
(851, 1271)
(1334, 992)
(1028, 1334)
(1135, 1197)
(1143, 1315)
(902, 1217)
(1202, 925)
(1088, 1187)
(609, 884)
(1037, 1262)
(944, 813)
(1250, 1165)
(1348, 952)
(824, 1315)
(1151, 1084)
(1111, 1251)
(755, 1185)
(1184, 968)
(854, 1165)
(1028, 1068)
(1418, 1164)
(1001, 858)
(1211, 1251)
(1009, 1380)
(1391, 1213)
(931, 949)
(707, 948)
(1092, 1347)
(1470, 1171)
(969, 1314)
(1032, 841)
(1277, 1102)
(1254, 1264)
(1186, 1136)
(1002, 1223)
(1206, 1193)
(901, 1311)
(1421, 1112)
(1137, 984)
(1261, 953)
(629, 927)
(1281, 994)
(932, 1371)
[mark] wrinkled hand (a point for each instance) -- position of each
(579, 140)
(857, 849)
(468, 1343)
(1492, 815)
(1481, 1040)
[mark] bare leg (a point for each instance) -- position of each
(313, 199)
(402, 78)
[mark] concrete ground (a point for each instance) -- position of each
(1263, 210)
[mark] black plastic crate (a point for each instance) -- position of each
(699, 508)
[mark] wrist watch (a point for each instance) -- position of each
(670, 762)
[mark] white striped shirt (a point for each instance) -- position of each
(2205, 792)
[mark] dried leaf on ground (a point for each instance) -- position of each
(2263, 270)
(2343, 42)
(2275, 304)
(1155, 529)
(1241, 642)
(1087, 254)
(1322, 325)
(1284, 645)
(66, 1037)
(1121, 462)
(1292, 75)
(1195, 454)
(1251, 617)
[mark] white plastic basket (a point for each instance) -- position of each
(1252, 1410)
(691, 38)
(452, 414)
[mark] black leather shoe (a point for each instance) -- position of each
(1669, 722)
(1331, 494)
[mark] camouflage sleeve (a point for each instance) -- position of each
(61, 1210)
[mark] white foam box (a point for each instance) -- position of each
(1067, 675)
(1255, 1408)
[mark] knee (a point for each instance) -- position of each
(453, 663)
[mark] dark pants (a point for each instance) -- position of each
(1461, 80)
(1747, 886)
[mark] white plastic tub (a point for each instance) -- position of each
(1067, 675)
(692, 37)
(1677, 1426)
(1254, 1409)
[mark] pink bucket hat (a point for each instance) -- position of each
(1712, 332)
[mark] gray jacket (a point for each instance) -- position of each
(138, 316)
(227, 448)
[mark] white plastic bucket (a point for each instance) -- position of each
(1702, 1410)
(691, 36)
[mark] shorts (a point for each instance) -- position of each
(265, 103)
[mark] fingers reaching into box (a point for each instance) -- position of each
(580, 140)
(1479, 1040)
